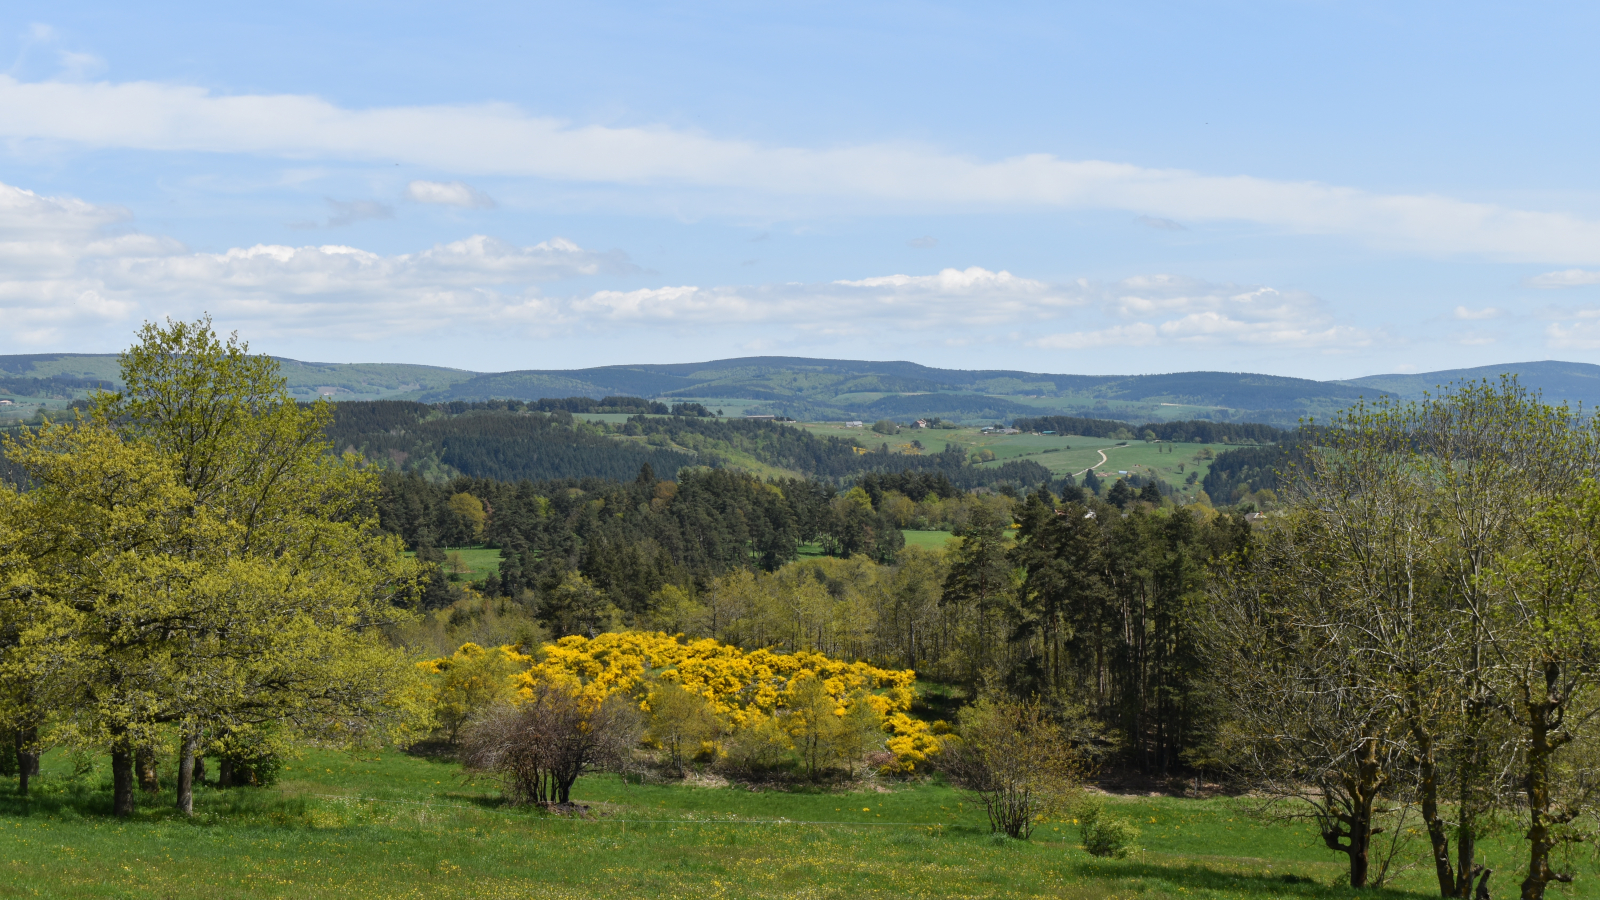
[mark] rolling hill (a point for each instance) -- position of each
(822, 389)
(1574, 383)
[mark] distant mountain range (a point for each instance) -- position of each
(850, 389)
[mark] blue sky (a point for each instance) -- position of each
(1316, 189)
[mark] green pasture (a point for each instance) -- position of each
(1170, 461)
(383, 824)
(1061, 454)
(731, 407)
(480, 562)
(930, 540)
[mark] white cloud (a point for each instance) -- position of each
(64, 270)
(1138, 335)
(951, 298)
(1488, 312)
(1176, 310)
(448, 193)
(502, 139)
(1565, 278)
(1573, 335)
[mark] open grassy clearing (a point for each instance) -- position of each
(930, 540)
(389, 825)
(479, 561)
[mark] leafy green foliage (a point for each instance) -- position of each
(190, 555)
(1103, 833)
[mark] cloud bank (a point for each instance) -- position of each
(501, 139)
(70, 268)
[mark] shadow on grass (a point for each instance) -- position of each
(1194, 877)
(71, 799)
(938, 701)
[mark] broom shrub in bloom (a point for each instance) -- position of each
(745, 689)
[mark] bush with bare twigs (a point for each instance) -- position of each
(538, 748)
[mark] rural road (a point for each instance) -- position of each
(1100, 463)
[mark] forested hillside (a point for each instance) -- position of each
(509, 441)
(818, 389)
(490, 443)
(833, 389)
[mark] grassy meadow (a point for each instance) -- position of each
(383, 824)
(479, 562)
(928, 540)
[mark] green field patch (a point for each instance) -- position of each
(930, 540)
(383, 824)
(479, 562)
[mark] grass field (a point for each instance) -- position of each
(932, 540)
(388, 825)
(480, 561)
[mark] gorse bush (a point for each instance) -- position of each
(757, 710)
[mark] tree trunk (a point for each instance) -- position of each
(1537, 784)
(145, 764)
(27, 757)
(121, 780)
(186, 769)
(199, 768)
(1438, 837)
(1466, 849)
(1353, 825)
(1361, 846)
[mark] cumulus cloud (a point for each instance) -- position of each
(70, 266)
(1574, 335)
(923, 243)
(1488, 312)
(448, 193)
(502, 139)
(1564, 278)
(951, 298)
(65, 269)
(1175, 310)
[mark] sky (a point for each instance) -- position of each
(1315, 189)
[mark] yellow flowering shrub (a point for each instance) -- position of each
(911, 741)
(744, 688)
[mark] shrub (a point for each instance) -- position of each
(256, 767)
(540, 747)
(471, 681)
(1103, 834)
(761, 746)
(1015, 760)
(680, 721)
